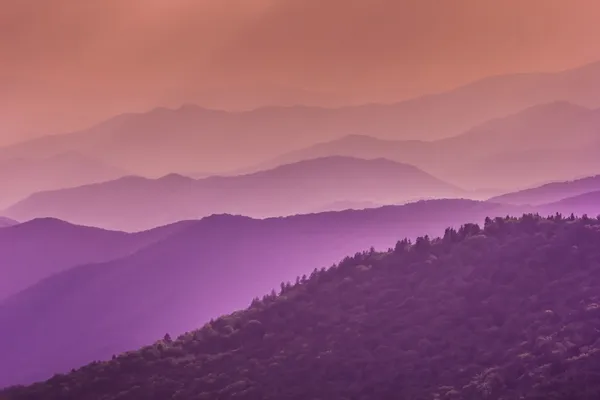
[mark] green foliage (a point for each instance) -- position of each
(509, 310)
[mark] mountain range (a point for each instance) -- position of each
(557, 140)
(209, 140)
(135, 203)
(183, 279)
(118, 235)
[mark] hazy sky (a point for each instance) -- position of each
(65, 64)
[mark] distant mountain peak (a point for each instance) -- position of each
(175, 177)
(346, 161)
(44, 221)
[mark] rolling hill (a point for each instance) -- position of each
(505, 311)
(34, 250)
(195, 139)
(135, 203)
(22, 177)
(550, 192)
(211, 267)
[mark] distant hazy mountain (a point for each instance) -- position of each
(550, 192)
(195, 139)
(213, 266)
(587, 203)
(21, 177)
(134, 203)
(359, 146)
(6, 222)
(556, 140)
(348, 205)
(39, 248)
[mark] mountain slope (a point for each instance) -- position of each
(137, 203)
(550, 192)
(34, 250)
(195, 139)
(6, 222)
(212, 267)
(509, 312)
(21, 177)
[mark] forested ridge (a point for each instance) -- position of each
(508, 310)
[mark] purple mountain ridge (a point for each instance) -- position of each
(135, 203)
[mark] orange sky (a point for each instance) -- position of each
(65, 64)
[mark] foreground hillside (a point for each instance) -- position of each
(507, 311)
(212, 267)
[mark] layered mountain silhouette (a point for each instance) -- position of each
(550, 192)
(34, 250)
(211, 267)
(21, 177)
(195, 139)
(556, 140)
(135, 203)
(506, 310)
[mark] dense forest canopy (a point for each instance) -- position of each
(507, 310)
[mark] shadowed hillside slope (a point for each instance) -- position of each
(212, 267)
(507, 311)
(39, 248)
(135, 203)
